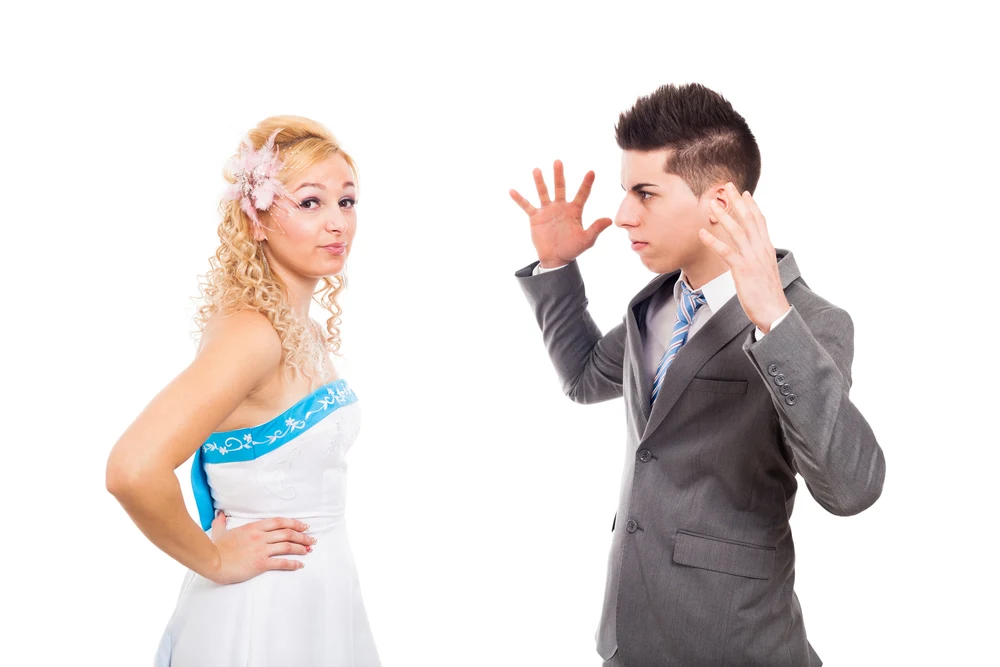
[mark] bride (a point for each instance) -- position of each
(271, 578)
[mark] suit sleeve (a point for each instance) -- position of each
(807, 369)
(588, 363)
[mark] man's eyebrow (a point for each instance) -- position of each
(640, 186)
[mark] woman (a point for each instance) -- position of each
(272, 581)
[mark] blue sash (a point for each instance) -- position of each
(246, 444)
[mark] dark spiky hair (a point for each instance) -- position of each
(709, 141)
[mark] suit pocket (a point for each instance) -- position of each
(727, 556)
(718, 386)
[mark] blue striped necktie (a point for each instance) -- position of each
(690, 302)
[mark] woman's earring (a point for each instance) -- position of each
(263, 256)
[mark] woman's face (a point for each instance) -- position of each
(310, 234)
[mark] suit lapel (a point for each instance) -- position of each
(720, 329)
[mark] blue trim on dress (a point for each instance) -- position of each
(246, 444)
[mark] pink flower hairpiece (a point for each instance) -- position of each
(256, 173)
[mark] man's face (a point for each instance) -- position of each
(660, 213)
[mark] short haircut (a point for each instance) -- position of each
(709, 141)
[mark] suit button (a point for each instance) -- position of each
(779, 379)
(631, 526)
(772, 370)
(785, 390)
(790, 399)
(645, 455)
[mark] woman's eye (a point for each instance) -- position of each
(347, 203)
(310, 203)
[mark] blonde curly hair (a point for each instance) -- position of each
(238, 277)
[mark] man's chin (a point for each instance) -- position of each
(658, 265)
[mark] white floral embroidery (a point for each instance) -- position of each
(230, 445)
(334, 396)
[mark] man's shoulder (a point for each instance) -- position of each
(815, 310)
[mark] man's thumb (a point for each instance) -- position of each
(597, 227)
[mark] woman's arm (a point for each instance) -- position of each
(237, 355)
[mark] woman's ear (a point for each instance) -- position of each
(258, 231)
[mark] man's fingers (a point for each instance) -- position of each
(736, 232)
(597, 227)
(758, 216)
(522, 202)
(742, 214)
(559, 180)
(728, 255)
(543, 192)
(584, 192)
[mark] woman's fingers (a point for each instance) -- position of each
(286, 549)
(283, 564)
(279, 522)
(288, 535)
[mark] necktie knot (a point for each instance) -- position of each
(690, 301)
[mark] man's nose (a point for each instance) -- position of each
(626, 216)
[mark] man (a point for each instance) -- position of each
(735, 377)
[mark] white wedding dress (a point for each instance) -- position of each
(293, 466)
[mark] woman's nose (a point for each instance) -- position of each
(336, 222)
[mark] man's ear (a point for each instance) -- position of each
(717, 193)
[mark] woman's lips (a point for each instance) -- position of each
(336, 248)
(638, 245)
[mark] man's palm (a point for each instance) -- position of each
(557, 225)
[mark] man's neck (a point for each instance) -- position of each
(702, 271)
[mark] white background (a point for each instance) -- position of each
(481, 499)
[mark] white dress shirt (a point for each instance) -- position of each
(662, 314)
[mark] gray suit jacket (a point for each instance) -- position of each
(702, 563)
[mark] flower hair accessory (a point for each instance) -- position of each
(256, 173)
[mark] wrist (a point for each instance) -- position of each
(211, 565)
(771, 318)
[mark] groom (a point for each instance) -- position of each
(735, 377)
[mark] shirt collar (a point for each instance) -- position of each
(717, 291)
